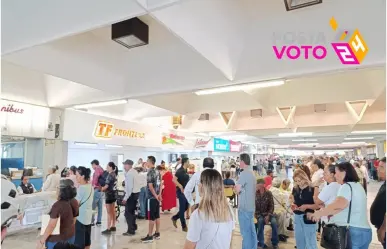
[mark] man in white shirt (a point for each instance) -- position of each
(132, 191)
(208, 163)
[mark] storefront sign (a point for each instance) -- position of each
(201, 143)
(106, 129)
(221, 145)
(235, 146)
(12, 108)
(172, 139)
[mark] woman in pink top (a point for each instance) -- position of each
(72, 175)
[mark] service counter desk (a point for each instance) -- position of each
(37, 181)
(33, 206)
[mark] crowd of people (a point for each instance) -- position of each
(322, 196)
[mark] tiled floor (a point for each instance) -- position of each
(171, 238)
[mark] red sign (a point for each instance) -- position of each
(201, 143)
(173, 136)
(235, 146)
(10, 108)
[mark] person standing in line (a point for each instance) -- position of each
(378, 207)
(169, 191)
(153, 200)
(212, 223)
(181, 179)
(208, 163)
(98, 194)
(72, 175)
(110, 190)
(142, 198)
(52, 180)
(85, 200)
(245, 188)
(132, 192)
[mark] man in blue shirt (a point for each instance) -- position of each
(246, 189)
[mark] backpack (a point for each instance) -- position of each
(102, 178)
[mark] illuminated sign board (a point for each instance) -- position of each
(105, 129)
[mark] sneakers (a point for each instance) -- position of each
(128, 234)
(147, 239)
(174, 222)
(113, 229)
(185, 229)
(156, 236)
(107, 232)
(98, 224)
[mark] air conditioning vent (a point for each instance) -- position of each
(256, 113)
(320, 108)
(204, 117)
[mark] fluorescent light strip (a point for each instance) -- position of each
(353, 142)
(295, 134)
(308, 144)
(85, 144)
(101, 104)
(241, 87)
(368, 132)
(304, 140)
(113, 146)
(358, 138)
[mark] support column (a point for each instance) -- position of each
(380, 151)
(55, 153)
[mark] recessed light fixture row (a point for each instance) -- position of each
(304, 140)
(358, 138)
(240, 87)
(368, 132)
(296, 134)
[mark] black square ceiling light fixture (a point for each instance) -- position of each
(131, 33)
(298, 4)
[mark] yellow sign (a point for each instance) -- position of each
(106, 129)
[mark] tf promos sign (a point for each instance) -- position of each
(235, 146)
(106, 129)
(172, 139)
(201, 143)
(221, 145)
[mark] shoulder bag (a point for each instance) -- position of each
(338, 237)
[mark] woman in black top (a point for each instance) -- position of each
(303, 194)
(110, 196)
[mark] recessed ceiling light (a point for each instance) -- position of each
(241, 87)
(113, 146)
(101, 104)
(85, 144)
(295, 134)
(358, 138)
(308, 144)
(368, 132)
(297, 4)
(353, 142)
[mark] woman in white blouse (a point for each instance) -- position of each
(318, 175)
(52, 180)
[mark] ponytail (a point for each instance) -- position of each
(85, 172)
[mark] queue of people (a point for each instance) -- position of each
(322, 196)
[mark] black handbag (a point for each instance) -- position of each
(337, 237)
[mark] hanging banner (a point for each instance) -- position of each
(235, 146)
(221, 145)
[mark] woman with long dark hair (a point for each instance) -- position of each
(350, 192)
(65, 210)
(110, 190)
(84, 196)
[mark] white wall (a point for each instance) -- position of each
(34, 152)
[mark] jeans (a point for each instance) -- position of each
(142, 201)
(305, 233)
(183, 206)
(130, 212)
(97, 202)
(246, 224)
(261, 228)
(50, 245)
(360, 237)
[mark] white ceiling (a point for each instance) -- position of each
(195, 45)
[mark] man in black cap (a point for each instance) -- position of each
(132, 191)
